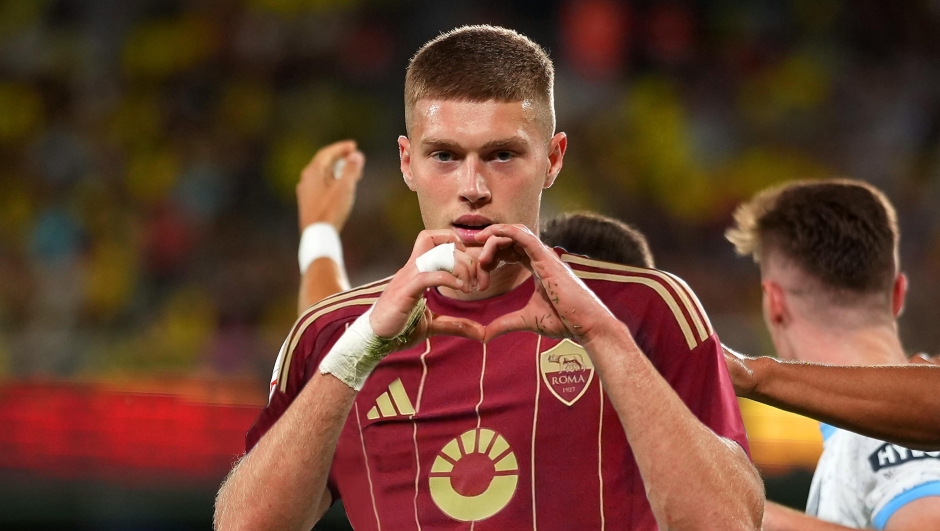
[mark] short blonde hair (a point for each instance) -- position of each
(842, 232)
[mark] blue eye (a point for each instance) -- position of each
(504, 156)
(442, 156)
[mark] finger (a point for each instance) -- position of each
(490, 258)
(328, 155)
(519, 233)
(511, 322)
(468, 265)
(462, 272)
(435, 279)
(492, 247)
(429, 239)
(352, 171)
(442, 325)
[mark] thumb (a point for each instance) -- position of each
(511, 322)
(442, 325)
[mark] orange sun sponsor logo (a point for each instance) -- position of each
(567, 371)
(474, 476)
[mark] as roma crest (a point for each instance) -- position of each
(567, 371)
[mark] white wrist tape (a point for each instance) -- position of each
(440, 258)
(359, 350)
(319, 240)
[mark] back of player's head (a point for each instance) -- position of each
(842, 233)
(598, 237)
(482, 63)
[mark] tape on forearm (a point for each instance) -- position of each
(440, 258)
(319, 240)
(359, 350)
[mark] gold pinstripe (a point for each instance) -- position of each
(658, 287)
(703, 330)
(313, 317)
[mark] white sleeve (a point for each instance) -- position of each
(900, 476)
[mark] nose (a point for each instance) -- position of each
(473, 188)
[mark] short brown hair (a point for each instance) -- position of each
(482, 63)
(598, 237)
(842, 232)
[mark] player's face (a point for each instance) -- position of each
(474, 164)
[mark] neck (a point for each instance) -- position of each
(874, 345)
(502, 280)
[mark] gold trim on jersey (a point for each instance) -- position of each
(424, 374)
(321, 308)
(689, 300)
(535, 422)
(657, 287)
(365, 457)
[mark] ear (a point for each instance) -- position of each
(556, 154)
(776, 309)
(898, 295)
(404, 155)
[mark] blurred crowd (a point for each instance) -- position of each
(149, 151)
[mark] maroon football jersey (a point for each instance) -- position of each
(514, 434)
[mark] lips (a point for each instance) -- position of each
(469, 225)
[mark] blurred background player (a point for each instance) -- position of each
(598, 237)
(828, 255)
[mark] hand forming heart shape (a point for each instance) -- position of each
(560, 307)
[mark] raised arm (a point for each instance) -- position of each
(325, 196)
(281, 483)
(694, 479)
(899, 404)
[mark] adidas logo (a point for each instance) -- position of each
(392, 403)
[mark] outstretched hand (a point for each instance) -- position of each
(561, 306)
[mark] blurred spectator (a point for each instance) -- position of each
(149, 152)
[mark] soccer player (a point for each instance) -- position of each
(828, 255)
(598, 237)
(487, 385)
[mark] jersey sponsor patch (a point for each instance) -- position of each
(567, 371)
(474, 476)
(890, 455)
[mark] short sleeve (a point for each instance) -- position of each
(670, 326)
(900, 476)
(299, 356)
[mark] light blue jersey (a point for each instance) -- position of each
(861, 482)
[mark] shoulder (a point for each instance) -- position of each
(650, 293)
(314, 329)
